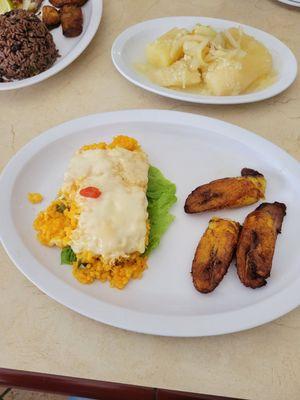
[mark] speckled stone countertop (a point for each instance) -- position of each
(41, 335)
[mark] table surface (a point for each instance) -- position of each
(41, 335)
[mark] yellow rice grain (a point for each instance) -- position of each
(35, 198)
(54, 228)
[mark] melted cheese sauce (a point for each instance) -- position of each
(115, 224)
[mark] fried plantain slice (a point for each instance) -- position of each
(51, 17)
(257, 241)
(71, 21)
(61, 3)
(214, 253)
(227, 192)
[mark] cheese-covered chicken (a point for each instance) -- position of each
(115, 223)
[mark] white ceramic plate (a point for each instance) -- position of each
(129, 49)
(290, 2)
(190, 150)
(69, 48)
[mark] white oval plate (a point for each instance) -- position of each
(190, 150)
(129, 49)
(290, 2)
(69, 48)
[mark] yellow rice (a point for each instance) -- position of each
(35, 198)
(55, 225)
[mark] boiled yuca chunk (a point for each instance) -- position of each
(232, 75)
(167, 48)
(204, 30)
(177, 75)
(194, 53)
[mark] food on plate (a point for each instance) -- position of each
(51, 17)
(58, 3)
(214, 253)
(35, 198)
(26, 46)
(161, 197)
(256, 244)
(61, 3)
(71, 20)
(6, 6)
(215, 63)
(175, 74)
(227, 193)
(110, 212)
(71, 16)
(167, 49)
(29, 5)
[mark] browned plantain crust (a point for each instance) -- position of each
(227, 192)
(250, 172)
(256, 244)
(51, 17)
(61, 3)
(214, 254)
(71, 21)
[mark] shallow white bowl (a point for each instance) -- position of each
(190, 150)
(69, 48)
(129, 49)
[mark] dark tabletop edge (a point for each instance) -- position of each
(95, 389)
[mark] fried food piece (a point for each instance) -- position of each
(227, 193)
(257, 243)
(71, 21)
(51, 17)
(214, 253)
(61, 3)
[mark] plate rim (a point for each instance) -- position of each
(202, 99)
(62, 292)
(83, 43)
(290, 3)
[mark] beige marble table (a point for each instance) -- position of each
(41, 335)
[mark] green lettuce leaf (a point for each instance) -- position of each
(67, 256)
(161, 197)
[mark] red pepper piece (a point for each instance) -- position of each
(91, 192)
